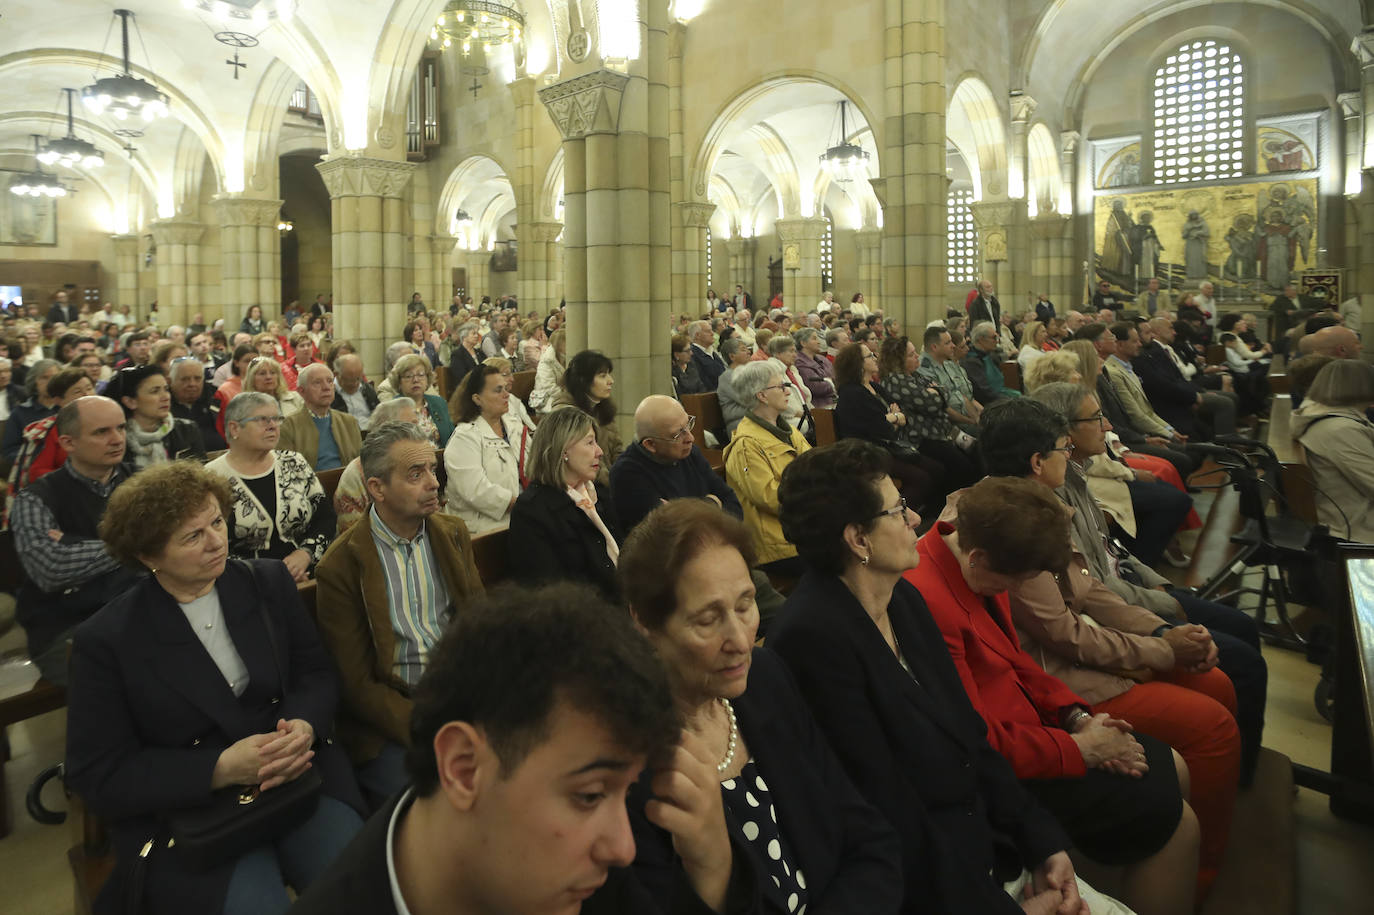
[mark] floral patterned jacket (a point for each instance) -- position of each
(304, 518)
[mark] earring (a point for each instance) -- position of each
(863, 560)
(565, 459)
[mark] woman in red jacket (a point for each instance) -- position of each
(1120, 796)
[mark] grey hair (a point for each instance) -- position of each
(185, 362)
(983, 329)
(245, 403)
(1343, 383)
(404, 364)
(1063, 397)
(375, 456)
(311, 369)
(730, 347)
(750, 379)
(696, 327)
(38, 368)
(834, 334)
(806, 333)
(552, 437)
(395, 351)
(6, 363)
(466, 328)
(389, 411)
(781, 343)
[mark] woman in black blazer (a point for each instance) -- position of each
(813, 841)
(562, 527)
(865, 410)
(179, 688)
(884, 691)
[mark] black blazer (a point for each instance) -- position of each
(858, 414)
(710, 367)
(460, 363)
(148, 715)
(551, 539)
(985, 309)
(369, 397)
(1044, 311)
(357, 883)
(919, 753)
(1172, 395)
(849, 854)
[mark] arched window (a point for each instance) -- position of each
(828, 254)
(961, 257)
(1199, 94)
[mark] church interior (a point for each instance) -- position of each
(622, 158)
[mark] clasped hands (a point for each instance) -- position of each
(267, 760)
(1107, 744)
(1194, 650)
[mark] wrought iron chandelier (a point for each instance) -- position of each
(488, 23)
(71, 150)
(845, 161)
(125, 95)
(38, 183)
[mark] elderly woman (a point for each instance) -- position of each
(467, 354)
(814, 843)
(1333, 428)
(1058, 366)
(733, 404)
(411, 377)
(485, 456)
(875, 672)
(866, 410)
(280, 510)
(548, 374)
(351, 498)
(814, 368)
(532, 343)
(587, 385)
(205, 677)
(153, 434)
(782, 352)
(41, 451)
(1120, 796)
(40, 404)
(686, 378)
(557, 530)
(926, 406)
(764, 443)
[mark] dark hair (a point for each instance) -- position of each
(1020, 524)
(61, 383)
(1227, 322)
(849, 364)
(243, 349)
(825, 490)
(128, 380)
(668, 538)
(933, 334)
(863, 334)
(472, 384)
(1228, 337)
(1011, 431)
(1121, 330)
(64, 341)
(510, 656)
(577, 381)
(1319, 320)
(1091, 332)
(892, 356)
(154, 503)
(136, 336)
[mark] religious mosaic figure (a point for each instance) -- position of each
(1242, 241)
(1145, 246)
(1284, 234)
(1116, 243)
(1195, 236)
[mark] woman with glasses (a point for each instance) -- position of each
(762, 447)
(411, 377)
(280, 509)
(153, 434)
(485, 456)
(815, 369)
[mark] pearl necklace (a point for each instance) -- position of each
(729, 759)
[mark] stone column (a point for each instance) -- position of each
(441, 271)
(742, 267)
(689, 254)
(801, 260)
(912, 186)
(537, 267)
(370, 228)
(1018, 282)
(178, 268)
(1052, 266)
(250, 257)
(617, 224)
(532, 265)
(126, 271)
(869, 242)
(991, 221)
(479, 275)
(1076, 293)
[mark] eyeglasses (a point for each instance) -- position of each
(680, 435)
(899, 511)
(414, 376)
(1095, 418)
(779, 387)
(1067, 450)
(274, 420)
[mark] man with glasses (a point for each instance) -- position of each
(192, 400)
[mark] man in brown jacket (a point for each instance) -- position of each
(325, 437)
(387, 590)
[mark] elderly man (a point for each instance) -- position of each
(352, 394)
(1335, 341)
(1207, 303)
(1169, 386)
(388, 587)
(710, 365)
(939, 364)
(984, 365)
(836, 339)
(55, 522)
(491, 343)
(193, 400)
(984, 306)
(1074, 321)
(325, 437)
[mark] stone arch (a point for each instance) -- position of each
(1044, 178)
(551, 193)
(262, 138)
(477, 185)
(973, 123)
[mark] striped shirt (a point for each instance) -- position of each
(417, 596)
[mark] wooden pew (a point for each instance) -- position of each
(522, 385)
(329, 479)
(825, 425)
(1216, 354)
(706, 409)
(491, 556)
(1011, 374)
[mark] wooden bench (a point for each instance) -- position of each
(825, 425)
(1011, 374)
(522, 385)
(706, 409)
(329, 479)
(1216, 354)
(490, 553)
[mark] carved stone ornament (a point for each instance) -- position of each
(586, 104)
(545, 231)
(386, 137)
(990, 215)
(995, 246)
(695, 215)
(172, 232)
(791, 256)
(360, 176)
(1022, 107)
(247, 211)
(579, 46)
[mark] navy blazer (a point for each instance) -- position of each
(710, 367)
(149, 713)
(460, 363)
(919, 753)
(850, 856)
(859, 414)
(1172, 395)
(551, 539)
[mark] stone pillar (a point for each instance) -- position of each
(479, 275)
(532, 264)
(1018, 282)
(537, 262)
(1076, 295)
(869, 242)
(441, 272)
(742, 267)
(689, 255)
(801, 260)
(912, 186)
(250, 257)
(178, 269)
(617, 224)
(126, 271)
(1052, 266)
(370, 228)
(991, 222)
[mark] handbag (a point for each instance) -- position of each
(901, 449)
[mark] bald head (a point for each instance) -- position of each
(1163, 328)
(658, 416)
(1335, 341)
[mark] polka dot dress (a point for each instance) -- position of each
(748, 798)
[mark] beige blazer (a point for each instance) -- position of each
(298, 433)
(1128, 388)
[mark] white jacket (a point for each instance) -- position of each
(484, 472)
(548, 381)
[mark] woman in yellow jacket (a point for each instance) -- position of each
(762, 447)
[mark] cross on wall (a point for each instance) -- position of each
(237, 64)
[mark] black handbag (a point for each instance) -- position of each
(901, 449)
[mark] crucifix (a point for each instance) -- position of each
(130, 149)
(474, 87)
(237, 64)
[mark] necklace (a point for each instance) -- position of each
(729, 759)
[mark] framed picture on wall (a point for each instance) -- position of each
(26, 220)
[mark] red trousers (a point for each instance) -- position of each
(1169, 474)
(1196, 715)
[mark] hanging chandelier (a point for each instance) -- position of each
(488, 23)
(125, 95)
(71, 151)
(37, 183)
(845, 161)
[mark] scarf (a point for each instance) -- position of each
(146, 447)
(780, 430)
(585, 497)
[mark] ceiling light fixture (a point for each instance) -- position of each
(845, 161)
(71, 151)
(125, 95)
(490, 23)
(38, 183)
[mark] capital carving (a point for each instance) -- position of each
(1362, 46)
(442, 244)
(246, 211)
(586, 104)
(869, 238)
(738, 246)
(1049, 226)
(801, 228)
(694, 215)
(1352, 104)
(545, 231)
(1022, 107)
(125, 245)
(362, 176)
(1068, 142)
(172, 232)
(991, 215)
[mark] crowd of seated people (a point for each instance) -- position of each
(879, 759)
